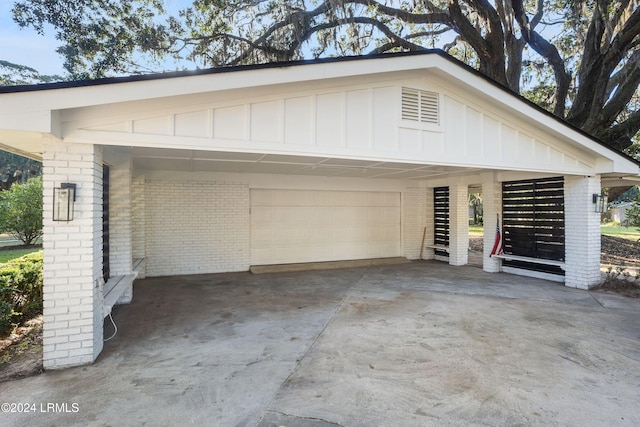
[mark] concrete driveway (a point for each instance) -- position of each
(415, 344)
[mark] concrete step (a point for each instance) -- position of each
(330, 265)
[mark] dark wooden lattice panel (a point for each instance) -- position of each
(533, 222)
(441, 219)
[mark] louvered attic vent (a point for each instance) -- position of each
(420, 106)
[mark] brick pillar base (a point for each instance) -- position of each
(73, 317)
(582, 232)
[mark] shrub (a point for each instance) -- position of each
(6, 314)
(633, 215)
(20, 290)
(21, 211)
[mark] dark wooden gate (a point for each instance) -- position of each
(105, 223)
(533, 222)
(441, 219)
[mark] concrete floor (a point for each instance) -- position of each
(416, 344)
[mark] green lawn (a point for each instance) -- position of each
(7, 240)
(609, 229)
(612, 229)
(476, 231)
(8, 255)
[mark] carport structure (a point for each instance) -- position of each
(339, 159)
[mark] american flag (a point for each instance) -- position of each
(497, 246)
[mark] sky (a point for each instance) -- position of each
(26, 47)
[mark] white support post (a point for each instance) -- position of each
(492, 207)
(73, 317)
(582, 232)
(458, 224)
(120, 234)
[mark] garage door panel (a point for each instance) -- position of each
(290, 226)
(391, 250)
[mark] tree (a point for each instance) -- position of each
(14, 168)
(475, 201)
(583, 54)
(633, 215)
(14, 74)
(21, 211)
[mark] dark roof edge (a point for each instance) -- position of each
(206, 71)
(285, 64)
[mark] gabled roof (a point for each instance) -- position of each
(224, 70)
(31, 109)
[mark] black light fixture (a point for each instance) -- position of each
(600, 203)
(63, 198)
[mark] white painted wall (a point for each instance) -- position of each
(138, 219)
(359, 120)
(619, 213)
(196, 227)
(418, 222)
(200, 222)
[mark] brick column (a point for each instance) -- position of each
(73, 317)
(582, 232)
(458, 224)
(492, 206)
(120, 234)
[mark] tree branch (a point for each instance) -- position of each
(626, 84)
(619, 136)
(547, 51)
(599, 62)
(492, 62)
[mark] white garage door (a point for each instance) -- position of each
(290, 226)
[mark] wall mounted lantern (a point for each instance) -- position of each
(63, 198)
(600, 203)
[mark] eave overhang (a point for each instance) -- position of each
(29, 112)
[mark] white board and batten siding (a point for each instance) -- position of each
(292, 226)
(377, 121)
(308, 122)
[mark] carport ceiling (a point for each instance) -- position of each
(210, 161)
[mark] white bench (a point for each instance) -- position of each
(438, 247)
(117, 285)
(530, 259)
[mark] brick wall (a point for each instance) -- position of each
(582, 232)
(73, 316)
(120, 252)
(414, 201)
(196, 227)
(429, 221)
(120, 222)
(138, 217)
